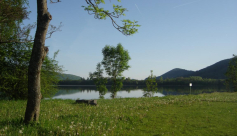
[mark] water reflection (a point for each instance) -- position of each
(90, 92)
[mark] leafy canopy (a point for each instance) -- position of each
(14, 64)
(115, 61)
(12, 13)
(15, 52)
(129, 27)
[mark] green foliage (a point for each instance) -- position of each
(12, 12)
(115, 61)
(151, 85)
(204, 114)
(14, 64)
(14, 58)
(231, 74)
(99, 80)
(128, 28)
(15, 52)
(197, 78)
(49, 75)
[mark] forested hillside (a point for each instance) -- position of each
(215, 71)
(68, 77)
(177, 72)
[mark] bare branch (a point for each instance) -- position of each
(24, 37)
(53, 29)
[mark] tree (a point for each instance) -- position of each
(39, 50)
(115, 61)
(231, 74)
(13, 55)
(14, 68)
(151, 85)
(12, 12)
(15, 50)
(99, 80)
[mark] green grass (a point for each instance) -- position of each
(205, 114)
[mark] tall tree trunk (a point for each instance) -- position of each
(38, 54)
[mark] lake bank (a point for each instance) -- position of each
(203, 114)
(90, 92)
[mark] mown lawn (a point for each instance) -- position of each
(205, 114)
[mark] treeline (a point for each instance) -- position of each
(195, 80)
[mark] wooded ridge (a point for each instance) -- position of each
(215, 71)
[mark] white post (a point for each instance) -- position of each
(190, 84)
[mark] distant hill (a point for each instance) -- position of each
(177, 72)
(215, 71)
(68, 77)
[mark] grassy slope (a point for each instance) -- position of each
(205, 114)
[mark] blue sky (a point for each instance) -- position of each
(187, 34)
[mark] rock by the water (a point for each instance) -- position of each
(90, 102)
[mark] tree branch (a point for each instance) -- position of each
(53, 29)
(24, 33)
(100, 13)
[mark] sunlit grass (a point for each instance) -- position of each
(204, 114)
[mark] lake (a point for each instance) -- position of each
(90, 92)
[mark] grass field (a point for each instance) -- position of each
(205, 114)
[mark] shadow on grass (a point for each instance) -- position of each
(36, 128)
(17, 122)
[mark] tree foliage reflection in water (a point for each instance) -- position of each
(90, 92)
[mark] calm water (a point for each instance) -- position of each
(90, 92)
